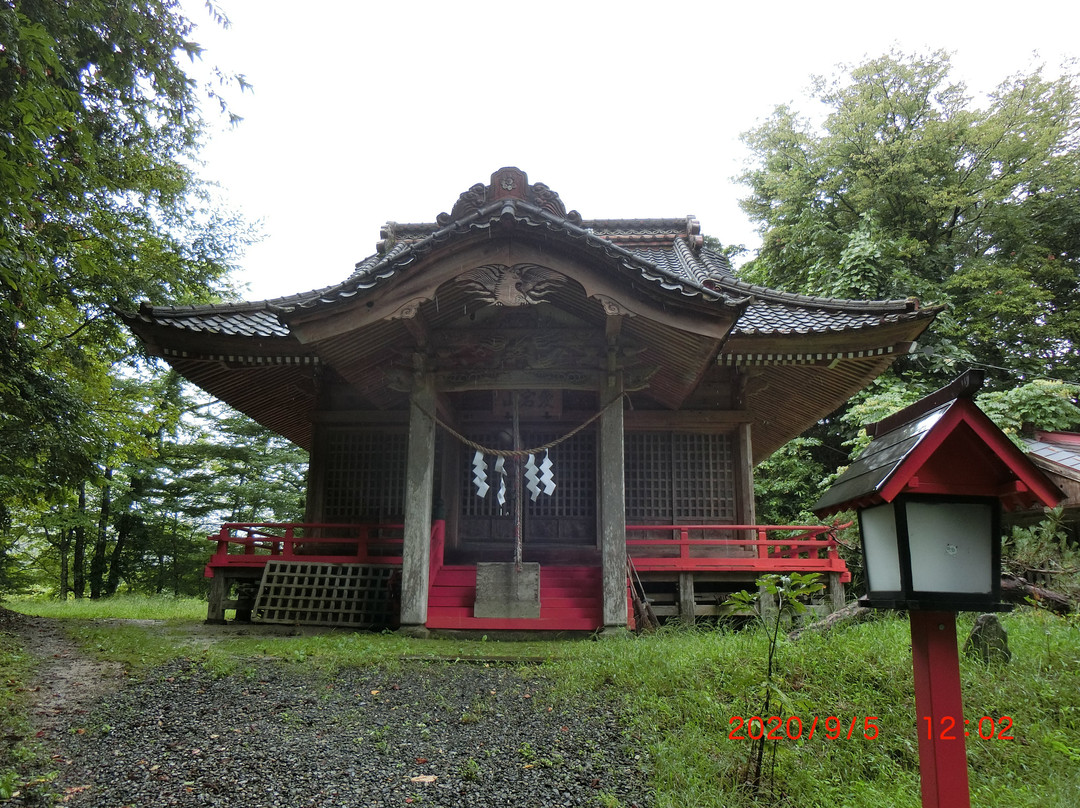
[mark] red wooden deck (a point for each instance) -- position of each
(570, 596)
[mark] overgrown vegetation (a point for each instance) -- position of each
(1042, 553)
(120, 607)
(18, 754)
(680, 690)
(100, 130)
(144, 529)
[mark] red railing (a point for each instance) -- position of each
(757, 548)
(681, 548)
(252, 545)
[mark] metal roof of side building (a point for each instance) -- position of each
(1057, 450)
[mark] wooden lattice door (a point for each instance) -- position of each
(565, 518)
(679, 478)
(363, 475)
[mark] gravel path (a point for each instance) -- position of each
(428, 734)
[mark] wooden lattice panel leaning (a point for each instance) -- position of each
(301, 593)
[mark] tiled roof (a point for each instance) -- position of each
(230, 319)
(674, 267)
(666, 252)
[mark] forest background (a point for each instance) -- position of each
(112, 470)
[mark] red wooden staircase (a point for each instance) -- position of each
(570, 600)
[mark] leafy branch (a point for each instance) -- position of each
(777, 596)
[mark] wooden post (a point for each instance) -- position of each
(516, 486)
(219, 590)
(940, 711)
(837, 597)
(687, 604)
(613, 504)
(768, 605)
(744, 475)
(744, 479)
(419, 489)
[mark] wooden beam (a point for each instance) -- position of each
(685, 420)
(360, 417)
(452, 381)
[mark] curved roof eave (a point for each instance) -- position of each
(775, 313)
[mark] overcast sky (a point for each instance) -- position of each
(367, 112)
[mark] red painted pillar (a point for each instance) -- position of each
(940, 710)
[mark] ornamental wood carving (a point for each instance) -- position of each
(508, 183)
(517, 285)
(534, 351)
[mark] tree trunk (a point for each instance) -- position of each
(97, 563)
(123, 532)
(78, 561)
(64, 547)
(1017, 590)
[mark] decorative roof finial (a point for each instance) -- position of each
(508, 182)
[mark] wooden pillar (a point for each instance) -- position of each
(837, 597)
(744, 475)
(419, 484)
(219, 591)
(613, 504)
(316, 494)
(687, 603)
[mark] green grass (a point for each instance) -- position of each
(680, 689)
(120, 607)
(20, 755)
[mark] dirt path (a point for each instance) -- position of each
(67, 681)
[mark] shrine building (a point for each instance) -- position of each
(520, 419)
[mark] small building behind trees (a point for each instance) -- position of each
(505, 406)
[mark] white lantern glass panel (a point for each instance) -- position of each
(878, 525)
(951, 546)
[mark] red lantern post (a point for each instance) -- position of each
(929, 490)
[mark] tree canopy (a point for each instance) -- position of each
(908, 188)
(101, 207)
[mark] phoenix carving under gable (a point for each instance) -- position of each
(519, 285)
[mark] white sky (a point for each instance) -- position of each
(365, 112)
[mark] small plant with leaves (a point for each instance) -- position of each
(777, 596)
(470, 770)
